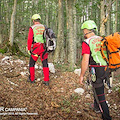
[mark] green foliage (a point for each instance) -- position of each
(85, 9)
(12, 50)
(66, 103)
(3, 50)
(116, 88)
(119, 90)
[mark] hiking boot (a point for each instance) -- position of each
(46, 83)
(28, 80)
(96, 109)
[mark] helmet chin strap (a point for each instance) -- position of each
(87, 34)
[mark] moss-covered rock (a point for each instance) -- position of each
(12, 50)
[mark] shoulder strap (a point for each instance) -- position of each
(103, 41)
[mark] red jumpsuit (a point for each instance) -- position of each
(37, 49)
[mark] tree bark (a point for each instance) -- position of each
(11, 37)
(0, 25)
(102, 15)
(116, 16)
(59, 55)
(108, 26)
(47, 16)
(71, 55)
(75, 31)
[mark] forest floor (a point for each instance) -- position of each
(21, 100)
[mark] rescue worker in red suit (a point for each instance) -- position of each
(35, 44)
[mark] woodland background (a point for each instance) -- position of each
(64, 17)
(59, 101)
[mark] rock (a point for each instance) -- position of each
(36, 66)
(79, 91)
(12, 83)
(51, 67)
(115, 106)
(40, 67)
(5, 58)
(79, 112)
(38, 79)
(19, 61)
(109, 91)
(25, 68)
(108, 105)
(62, 90)
(77, 71)
(23, 73)
(87, 96)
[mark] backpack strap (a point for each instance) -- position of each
(103, 42)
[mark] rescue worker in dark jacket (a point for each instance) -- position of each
(35, 47)
(92, 57)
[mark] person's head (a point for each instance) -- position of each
(36, 18)
(89, 28)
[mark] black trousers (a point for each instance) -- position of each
(98, 87)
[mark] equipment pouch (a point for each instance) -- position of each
(93, 76)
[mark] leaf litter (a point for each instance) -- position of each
(57, 102)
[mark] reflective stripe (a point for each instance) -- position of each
(97, 66)
(38, 31)
(98, 60)
(102, 101)
(101, 94)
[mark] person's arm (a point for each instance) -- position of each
(85, 60)
(30, 39)
(84, 66)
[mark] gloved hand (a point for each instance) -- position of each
(29, 52)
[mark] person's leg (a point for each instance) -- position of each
(44, 60)
(99, 96)
(33, 59)
(103, 104)
(32, 68)
(45, 70)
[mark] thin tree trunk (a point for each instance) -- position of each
(108, 21)
(71, 55)
(47, 16)
(75, 31)
(116, 16)
(108, 26)
(102, 15)
(11, 37)
(66, 42)
(0, 25)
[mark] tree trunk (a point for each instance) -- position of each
(59, 55)
(71, 55)
(66, 41)
(75, 31)
(108, 19)
(116, 16)
(47, 16)
(102, 15)
(0, 25)
(11, 37)
(104, 18)
(108, 26)
(0, 38)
